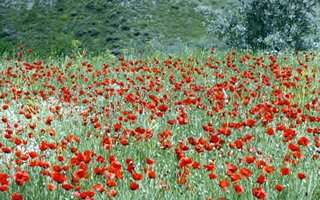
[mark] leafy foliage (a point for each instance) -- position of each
(111, 25)
(265, 24)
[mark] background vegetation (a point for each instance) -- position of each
(60, 26)
(263, 24)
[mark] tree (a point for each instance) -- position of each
(265, 24)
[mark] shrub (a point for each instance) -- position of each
(265, 24)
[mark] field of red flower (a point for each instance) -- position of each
(227, 125)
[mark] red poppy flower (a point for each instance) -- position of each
(239, 189)
(112, 193)
(52, 132)
(246, 172)
(149, 161)
(16, 196)
(185, 161)
(33, 154)
(4, 179)
(250, 122)
(285, 171)
(213, 176)
(49, 120)
(111, 183)
(60, 158)
(130, 168)
(21, 177)
(134, 186)
(87, 194)
(231, 167)
(293, 147)
(130, 98)
(152, 174)
(210, 166)
(98, 187)
(196, 165)
(5, 107)
(4, 119)
(6, 150)
(51, 187)
(259, 193)
(4, 188)
(302, 175)
(67, 186)
(117, 127)
(250, 159)
(270, 131)
(124, 142)
(58, 177)
(224, 184)
(278, 187)
(304, 141)
(261, 179)
(269, 169)
(163, 108)
(81, 173)
(234, 177)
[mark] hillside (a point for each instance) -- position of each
(59, 26)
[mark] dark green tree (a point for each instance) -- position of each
(266, 24)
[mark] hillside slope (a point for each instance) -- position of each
(59, 26)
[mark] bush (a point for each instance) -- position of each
(265, 24)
